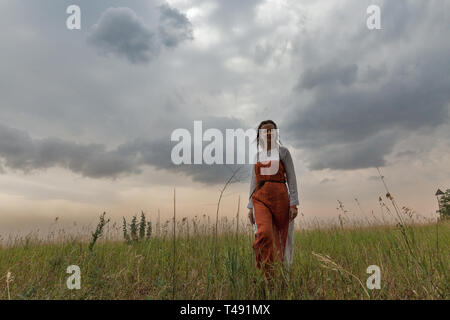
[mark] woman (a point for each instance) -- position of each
(272, 204)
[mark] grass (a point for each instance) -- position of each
(329, 263)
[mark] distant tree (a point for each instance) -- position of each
(445, 205)
(137, 230)
(142, 225)
(125, 232)
(149, 229)
(133, 229)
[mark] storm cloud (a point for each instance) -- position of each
(357, 111)
(174, 26)
(328, 75)
(20, 151)
(121, 32)
(343, 95)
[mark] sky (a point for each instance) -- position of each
(86, 115)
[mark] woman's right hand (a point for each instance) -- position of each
(250, 216)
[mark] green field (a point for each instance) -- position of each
(328, 264)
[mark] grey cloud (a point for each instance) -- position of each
(174, 26)
(346, 123)
(121, 32)
(362, 154)
(406, 153)
(159, 155)
(262, 53)
(328, 74)
(21, 152)
(371, 74)
(400, 83)
(401, 17)
(337, 116)
(235, 12)
(340, 128)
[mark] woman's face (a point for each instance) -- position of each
(271, 135)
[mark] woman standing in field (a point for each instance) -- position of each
(272, 204)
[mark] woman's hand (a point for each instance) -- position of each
(250, 216)
(293, 211)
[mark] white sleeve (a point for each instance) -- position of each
(252, 188)
(291, 178)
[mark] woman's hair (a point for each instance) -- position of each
(259, 127)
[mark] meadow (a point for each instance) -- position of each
(330, 262)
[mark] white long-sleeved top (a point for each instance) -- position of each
(285, 157)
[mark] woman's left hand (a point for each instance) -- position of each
(293, 211)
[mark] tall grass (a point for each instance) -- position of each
(416, 268)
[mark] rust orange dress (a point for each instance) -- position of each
(271, 204)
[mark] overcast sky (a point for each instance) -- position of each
(86, 115)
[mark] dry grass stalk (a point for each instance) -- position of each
(328, 263)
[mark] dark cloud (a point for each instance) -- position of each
(366, 153)
(356, 128)
(352, 115)
(21, 152)
(158, 153)
(121, 32)
(361, 105)
(174, 26)
(406, 153)
(361, 91)
(329, 74)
